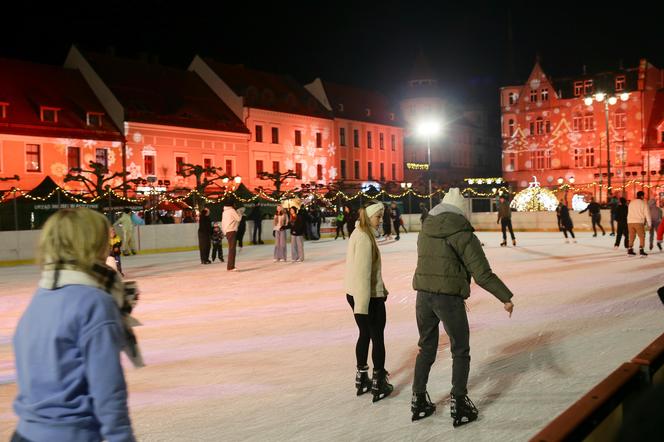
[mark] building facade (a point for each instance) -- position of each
(549, 131)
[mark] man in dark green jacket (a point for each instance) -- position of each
(448, 254)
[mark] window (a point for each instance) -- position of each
(620, 120)
(392, 116)
(101, 157)
(343, 169)
(275, 166)
(94, 119)
(73, 157)
(49, 114)
(578, 157)
(367, 112)
(578, 88)
(577, 123)
(179, 161)
(510, 127)
(319, 171)
(298, 138)
(548, 126)
(319, 139)
(298, 170)
(394, 172)
(539, 126)
(590, 157)
(533, 95)
(33, 158)
(341, 107)
(544, 94)
(512, 97)
(259, 133)
(588, 122)
(259, 167)
(393, 142)
(356, 138)
(148, 164)
(275, 135)
(587, 87)
(541, 159)
(382, 171)
(342, 136)
(369, 145)
(370, 170)
(3, 110)
(381, 141)
(207, 164)
(229, 167)
(620, 83)
(532, 128)
(356, 170)
(512, 162)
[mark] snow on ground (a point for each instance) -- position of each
(267, 354)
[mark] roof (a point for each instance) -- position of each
(354, 104)
(656, 118)
(28, 86)
(603, 81)
(156, 94)
(269, 91)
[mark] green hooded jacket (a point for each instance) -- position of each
(449, 253)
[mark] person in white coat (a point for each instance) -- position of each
(638, 216)
(230, 221)
(366, 294)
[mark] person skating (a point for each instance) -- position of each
(217, 248)
(613, 205)
(351, 220)
(594, 211)
(230, 221)
(204, 235)
(298, 226)
(448, 254)
(621, 222)
(125, 227)
(638, 215)
(505, 220)
(279, 226)
(387, 223)
(565, 223)
(424, 212)
(340, 223)
(241, 228)
(116, 250)
(656, 218)
(366, 295)
(257, 218)
(395, 215)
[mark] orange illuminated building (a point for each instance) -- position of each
(550, 132)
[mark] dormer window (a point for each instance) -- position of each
(341, 107)
(620, 83)
(368, 112)
(392, 116)
(587, 87)
(49, 114)
(578, 88)
(3, 109)
(94, 119)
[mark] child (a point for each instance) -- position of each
(216, 243)
(116, 250)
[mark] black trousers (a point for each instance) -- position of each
(340, 228)
(372, 327)
(204, 242)
(596, 219)
(231, 238)
(396, 224)
(217, 250)
(622, 231)
(565, 230)
(506, 223)
(257, 233)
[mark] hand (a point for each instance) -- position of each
(509, 307)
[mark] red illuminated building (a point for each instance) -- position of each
(550, 132)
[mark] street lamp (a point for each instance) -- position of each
(428, 129)
(408, 186)
(602, 97)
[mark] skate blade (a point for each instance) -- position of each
(463, 421)
(422, 414)
(380, 396)
(361, 391)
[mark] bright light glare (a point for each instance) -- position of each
(588, 101)
(624, 96)
(600, 96)
(428, 128)
(612, 100)
(238, 179)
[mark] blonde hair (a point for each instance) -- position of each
(365, 224)
(74, 237)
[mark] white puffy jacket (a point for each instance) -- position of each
(363, 279)
(230, 220)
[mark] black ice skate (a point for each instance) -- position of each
(503, 244)
(362, 381)
(380, 388)
(642, 252)
(463, 410)
(630, 251)
(421, 406)
(514, 242)
(659, 245)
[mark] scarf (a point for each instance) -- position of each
(102, 277)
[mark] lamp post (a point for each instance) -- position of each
(602, 97)
(428, 129)
(408, 186)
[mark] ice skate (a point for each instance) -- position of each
(630, 251)
(362, 381)
(462, 410)
(642, 252)
(659, 245)
(514, 242)
(380, 388)
(421, 406)
(503, 244)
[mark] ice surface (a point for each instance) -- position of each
(267, 354)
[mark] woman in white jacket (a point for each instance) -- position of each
(280, 224)
(230, 221)
(366, 295)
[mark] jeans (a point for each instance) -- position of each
(505, 224)
(371, 328)
(653, 230)
(430, 310)
(297, 248)
(257, 232)
(230, 236)
(280, 245)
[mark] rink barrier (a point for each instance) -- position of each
(598, 415)
(651, 361)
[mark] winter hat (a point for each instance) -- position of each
(374, 209)
(454, 198)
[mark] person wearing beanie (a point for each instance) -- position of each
(448, 254)
(366, 294)
(230, 221)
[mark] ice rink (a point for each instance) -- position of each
(267, 353)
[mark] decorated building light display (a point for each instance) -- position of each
(534, 199)
(472, 181)
(579, 203)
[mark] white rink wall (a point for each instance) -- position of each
(21, 245)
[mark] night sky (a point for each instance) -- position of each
(366, 44)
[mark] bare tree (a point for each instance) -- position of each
(277, 178)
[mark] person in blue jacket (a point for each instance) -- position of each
(67, 344)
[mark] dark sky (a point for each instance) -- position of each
(362, 43)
